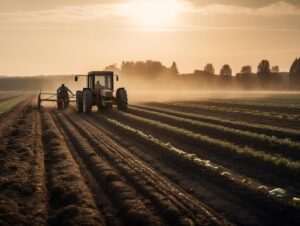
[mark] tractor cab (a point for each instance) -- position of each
(99, 92)
(100, 80)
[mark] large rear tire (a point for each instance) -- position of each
(79, 101)
(122, 99)
(87, 101)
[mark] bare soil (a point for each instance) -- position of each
(61, 168)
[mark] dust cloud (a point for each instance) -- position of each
(142, 88)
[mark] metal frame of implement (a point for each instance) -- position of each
(50, 98)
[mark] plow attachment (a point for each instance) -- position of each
(62, 100)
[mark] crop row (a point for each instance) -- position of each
(129, 203)
(8, 104)
(257, 128)
(174, 208)
(271, 115)
(216, 170)
(272, 144)
(21, 173)
(71, 202)
(246, 153)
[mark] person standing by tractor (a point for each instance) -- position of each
(63, 98)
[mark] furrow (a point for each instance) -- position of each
(22, 188)
(146, 176)
(133, 207)
(252, 127)
(260, 142)
(70, 201)
(267, 166)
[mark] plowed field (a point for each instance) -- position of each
(156, 164)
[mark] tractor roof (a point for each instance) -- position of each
(101, 73)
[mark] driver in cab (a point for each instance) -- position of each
(98, 85)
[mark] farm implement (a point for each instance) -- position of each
(98, 92)
(62, 99)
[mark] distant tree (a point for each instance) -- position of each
(226, 71)
(295, 74)
(209, 68)
(146, 69)
(264, 72)
(275, 69)
(113, 68)
(246, 79)
(174, 69)
(247, 69)
(128, 67)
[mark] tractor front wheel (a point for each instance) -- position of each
(122, 99)
(79, 101)
(87, 101)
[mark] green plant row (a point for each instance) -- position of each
(7, 105)
(217, 170)
(203, 140)
(258, 128)
(269, 141)
(271, 115)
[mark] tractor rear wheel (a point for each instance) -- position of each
(87, 101)
(122, 99)
(79, 101)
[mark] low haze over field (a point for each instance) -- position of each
(65, 37)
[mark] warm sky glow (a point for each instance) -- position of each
(75, 36)
(154, 13)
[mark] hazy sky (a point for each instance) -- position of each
(76, 36)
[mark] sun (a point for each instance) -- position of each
(154, 13)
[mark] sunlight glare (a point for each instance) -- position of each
(154, 13)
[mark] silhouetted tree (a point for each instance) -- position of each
(247, 69)
(246, 78)
(226, 71)
(209, 68)
(264, 72)
(113, 68)
(174, 69)
(146, 69)
(295, 74)
(275, 69)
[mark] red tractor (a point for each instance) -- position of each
(100, 93)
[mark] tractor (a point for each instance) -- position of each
(99, 92)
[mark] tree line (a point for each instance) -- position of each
(155, 74)
(266, 76)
